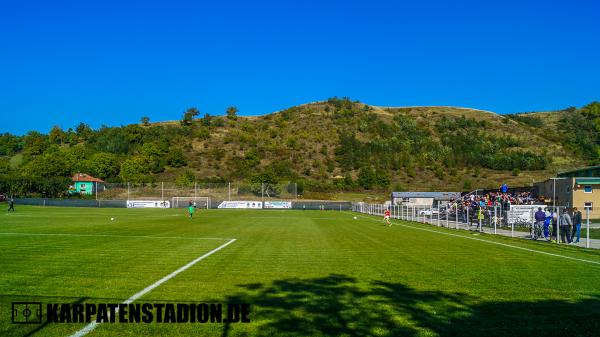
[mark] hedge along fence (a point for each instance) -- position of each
(71, 202)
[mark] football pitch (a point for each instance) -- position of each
(303, 273)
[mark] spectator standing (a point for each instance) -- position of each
(554, 237)
(547, 222)
(540, 216)
(565, 227)
(576, 225)
(480, 218)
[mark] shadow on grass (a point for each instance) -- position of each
(339, 305)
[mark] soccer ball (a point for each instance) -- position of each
(355, 218)
(112, 219)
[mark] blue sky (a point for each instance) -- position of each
(112, 62)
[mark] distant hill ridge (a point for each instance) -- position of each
(371, 147)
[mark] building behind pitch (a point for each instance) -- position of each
(577, 188)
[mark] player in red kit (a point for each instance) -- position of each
(386, 217)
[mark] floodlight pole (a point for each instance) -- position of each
(554, 191)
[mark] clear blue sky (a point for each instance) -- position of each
(111, 62)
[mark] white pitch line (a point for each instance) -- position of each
(90, 327)
(115, 236)
(491, 242)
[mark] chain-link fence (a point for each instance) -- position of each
(560, 225)
(216, 191)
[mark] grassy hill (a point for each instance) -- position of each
(328, 147)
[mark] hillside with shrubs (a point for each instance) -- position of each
(325, 147)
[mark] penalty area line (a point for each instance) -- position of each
(115, 236)
(490, 242)
(91, 326)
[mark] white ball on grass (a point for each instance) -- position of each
(112, 219)
(355, 218)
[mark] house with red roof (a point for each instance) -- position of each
(86, 184)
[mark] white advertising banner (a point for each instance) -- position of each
(148, 204)
(522, 213)
(278, 204)
(241, 204)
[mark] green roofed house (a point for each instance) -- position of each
(85, 184)
(577, 188)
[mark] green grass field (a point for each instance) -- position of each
(304, 273)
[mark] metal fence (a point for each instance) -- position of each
(324, 205)
(216, 191)
(494, 220)
(71, 202)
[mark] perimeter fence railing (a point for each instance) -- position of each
(519, 221)
(217, 191)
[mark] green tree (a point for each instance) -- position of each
(207, 120)
(10, 144)
(187, 178)
(175, 158)
(35, 143)
(188, 116)
(382, 179)
(49, 164)
(103, 165)
(136, 170)
(4, 166)
(145, 121)
(232, 113)
(83, 131)
(366, 178)
(155, 155)
(56, 135)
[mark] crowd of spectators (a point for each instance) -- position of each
(550, 225)
(476, 208)
(491, 207)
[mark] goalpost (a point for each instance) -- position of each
(182, 202)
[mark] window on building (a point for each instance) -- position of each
(587, 189)
(405, 199)
(588, 204)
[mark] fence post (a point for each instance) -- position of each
(512, 229)
(495, 219)
(447, 216)
(456, 218)
(587, 241)
(468, 219)
(558, 225)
